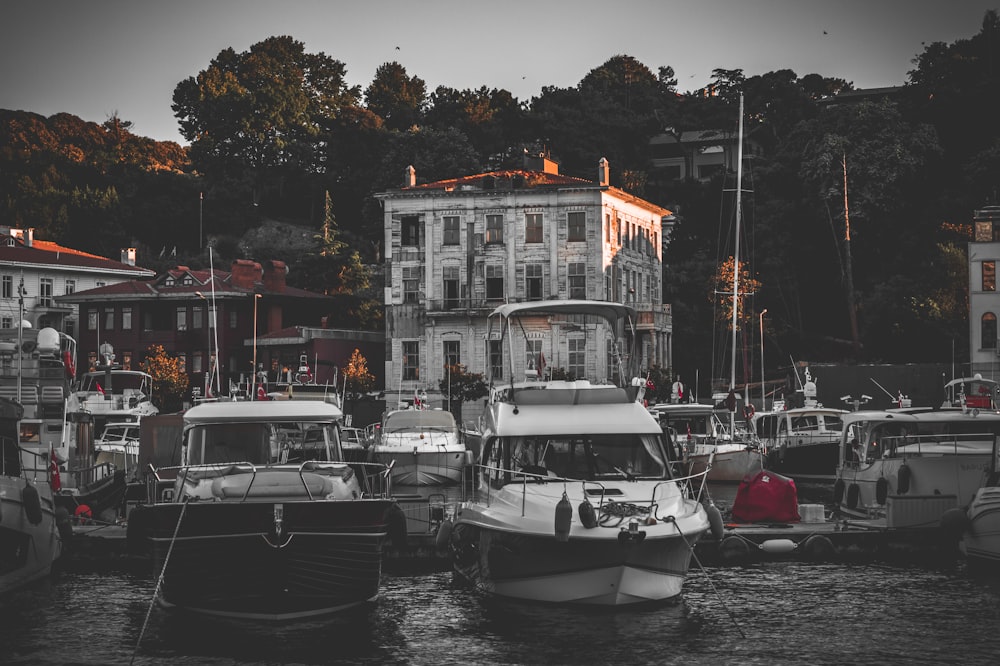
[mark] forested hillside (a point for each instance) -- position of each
(275, 134)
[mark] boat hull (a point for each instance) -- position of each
(266, 560)
(730, 466)
(981, 541)
(812, 461)
(27, 549)
(588, 571)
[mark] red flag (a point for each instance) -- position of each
(55, 481)
(100, 389)
(541, 361)
(261, 395)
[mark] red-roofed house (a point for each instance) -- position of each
(457, 248)
(47, 271)
(257, 314)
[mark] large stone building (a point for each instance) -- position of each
(984, 300)
(458, 248)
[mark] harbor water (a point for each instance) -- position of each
(770, 612)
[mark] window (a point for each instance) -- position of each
(233, 319)
(126, 319)
(496, 359)
(988, 328)
(182, 357)
(494, 283)
(452, 236)
(494, 229)
(533, 285)
(452, 352)
(618, 223)
(100, 283)
(181, 321)
(6, 322)
(533, 359)
(411, 284)
(91, 320)
(578, 226)
(577, 357)
(196, 363)
(451, 275)
(8, 286)
(45, 292)
(70, 287)
(533, 232)
(109, 319)
(410, 232)
(577, 280)
(411, 360)
(607, 228)
(197, 317)
(989, 276)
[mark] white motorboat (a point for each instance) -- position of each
(976, 392)
(979, 524)
(911, 468)
(802, 443)
(578, 501)
(263, 518)
(424, 446)
(702, 436)
(30, 539)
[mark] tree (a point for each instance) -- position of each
(397, 98)
(170, 379)
(460, 386)
(357, 380)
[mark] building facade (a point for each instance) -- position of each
(984, 300)
(35, 273)
(239, 316)
(457, 248)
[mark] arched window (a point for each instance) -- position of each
(988, 329)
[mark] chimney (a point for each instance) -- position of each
(603, 178)
(409, 177)
(128, 256)
(274, 276)
(244, 273)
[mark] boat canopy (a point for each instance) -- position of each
(263, 410)
(606, 309)
(419, 419)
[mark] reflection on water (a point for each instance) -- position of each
(778, 612)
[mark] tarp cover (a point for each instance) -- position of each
(766, 497)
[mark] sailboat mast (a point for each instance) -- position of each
(736, 250)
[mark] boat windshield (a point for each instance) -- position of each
(419, 419)
(587, 457)
(260, 443)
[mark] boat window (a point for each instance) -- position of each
(260, 443)
(833, 422)
(604, 456)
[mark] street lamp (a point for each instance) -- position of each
(253, 392)
(763, 389)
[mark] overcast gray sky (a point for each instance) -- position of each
(95, 58)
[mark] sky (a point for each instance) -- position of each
(99, 58)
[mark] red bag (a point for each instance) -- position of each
(766, 497)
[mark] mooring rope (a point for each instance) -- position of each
(711, 584)
(159, 581)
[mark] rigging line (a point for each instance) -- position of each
(159, 581)
(711, 583)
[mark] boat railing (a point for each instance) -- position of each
(35, 465)
(85, 476)
(927, 444)
(163, 483)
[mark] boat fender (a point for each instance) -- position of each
(443, 537)
(903, 478)
(32, 504)
(954, 522)
(396, 523)
(65, 527)
(588, 517)
(715, 520)
(881, 490)
(838, 491)
(818, 548)
(778, 546)
(83, 514)
(564, 516)
(853, 495)
(734, 549)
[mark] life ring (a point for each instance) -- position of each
(748, 412)
(881, 489)
(853, 495)
(903, 479)
(68, 363)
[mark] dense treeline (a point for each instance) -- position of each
(277, 135)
